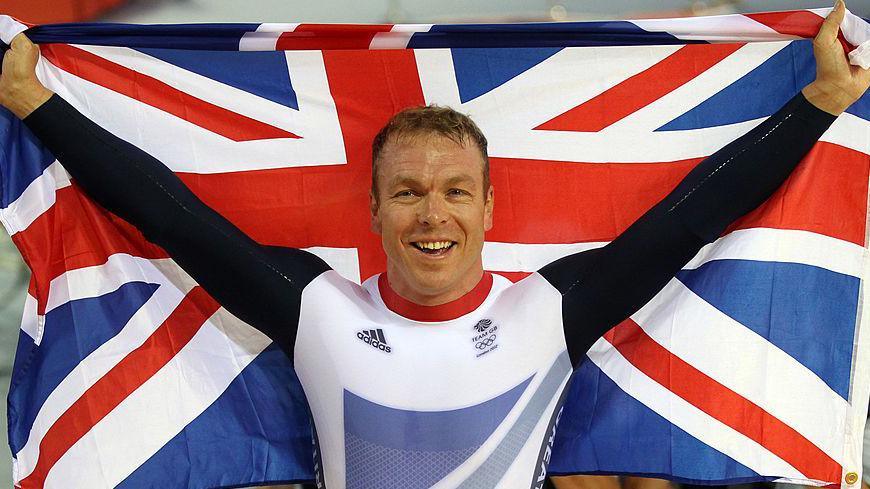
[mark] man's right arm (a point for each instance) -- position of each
(602, 287)
(260, 285)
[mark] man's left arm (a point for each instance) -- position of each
(602, 287)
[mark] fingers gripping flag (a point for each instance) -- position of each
(750, 365)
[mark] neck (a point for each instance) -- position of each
(403, 288)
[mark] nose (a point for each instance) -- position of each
(432, 211)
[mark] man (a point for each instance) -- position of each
(434, 372)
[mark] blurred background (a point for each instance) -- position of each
(13, 273)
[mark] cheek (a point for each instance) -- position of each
(473, 223)
(395, 222)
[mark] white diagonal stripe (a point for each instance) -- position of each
(140, 326)
(204, 88)
(119, 269)
(746, 363)
(697, 90)
(685, 415)
(194, 379)
(102, 279)
(199, 150)
(37, 198)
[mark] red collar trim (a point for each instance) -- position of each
(433, 314)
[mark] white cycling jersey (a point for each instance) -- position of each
(464, 395)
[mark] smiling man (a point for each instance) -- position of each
(431, 202)
(435, 372)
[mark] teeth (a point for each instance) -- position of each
(435, 245)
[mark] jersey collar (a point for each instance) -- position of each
(433, 314)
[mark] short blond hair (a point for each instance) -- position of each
(426, 121)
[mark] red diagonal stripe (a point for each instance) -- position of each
(76, 233)
(130, 373)
(641, 89)
(155, 93)
(330, 36)
(722, 403)
(800, 23)
(793, 23)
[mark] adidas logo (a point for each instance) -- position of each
(375, 338)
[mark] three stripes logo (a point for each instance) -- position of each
(375, 338)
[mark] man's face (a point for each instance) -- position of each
(431, 212)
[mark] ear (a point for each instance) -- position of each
(375, 217)
(487, 209)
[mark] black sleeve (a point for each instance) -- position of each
(602, 287)
(260, 285)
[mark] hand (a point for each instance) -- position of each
(20, 90)
(838, 84)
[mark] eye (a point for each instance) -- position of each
(404, 193)
(457, 192)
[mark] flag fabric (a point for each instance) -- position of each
(752, 364)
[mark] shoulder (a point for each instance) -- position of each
(532, 290)
(568, 270)
(302, 265)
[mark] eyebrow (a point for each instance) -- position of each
(403, 180)
(459, 179)
(411, 181)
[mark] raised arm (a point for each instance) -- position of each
(261, 285)
(602, 287)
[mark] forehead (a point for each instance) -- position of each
(423, 157)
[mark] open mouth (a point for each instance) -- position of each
(433, 247)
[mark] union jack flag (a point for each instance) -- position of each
(750, 365)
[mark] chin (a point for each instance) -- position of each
(433, 283)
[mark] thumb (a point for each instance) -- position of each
(21, 57)
(863, 76)
(21, 42)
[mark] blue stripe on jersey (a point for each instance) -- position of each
(262, 73)
(72, 332)
(488, 473)
(772, 84)
(394, 448)
(609, 33)
(22, 159)
(479, 70)
(792, 304)
(629, 437)
(257, 431)
(427, 430)
(218, 37)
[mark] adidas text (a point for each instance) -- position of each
(374, 338)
